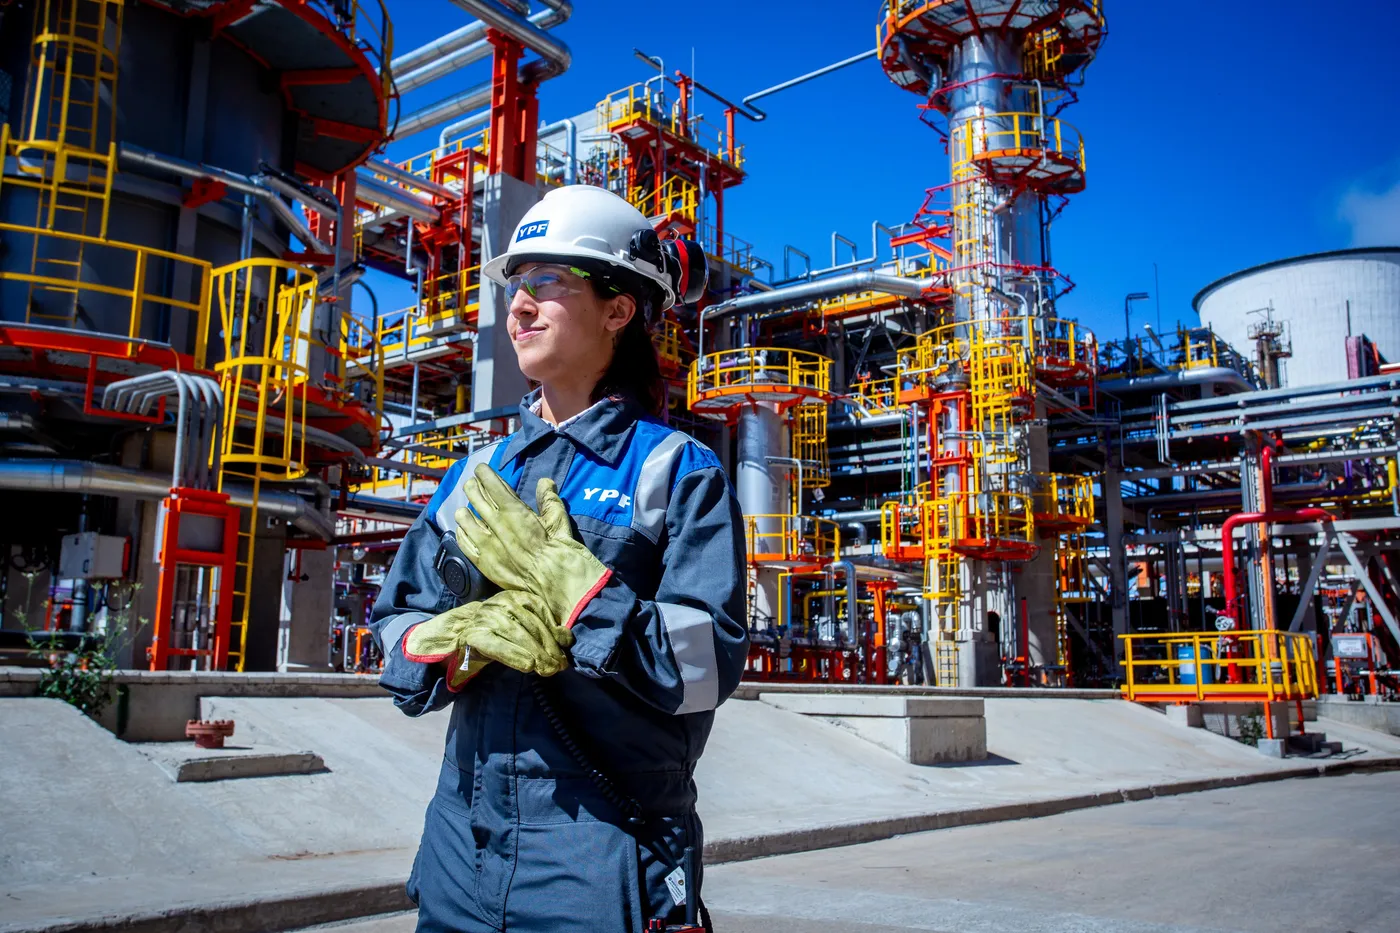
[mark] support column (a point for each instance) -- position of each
(762, 490)
(265, 593)
(1117, 575)
(496, 379)
(311, 607)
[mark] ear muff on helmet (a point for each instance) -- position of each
(688, 269)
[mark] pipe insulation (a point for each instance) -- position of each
(100, 479)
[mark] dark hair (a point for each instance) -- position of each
(634, 370)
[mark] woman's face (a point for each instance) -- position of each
(562, 332)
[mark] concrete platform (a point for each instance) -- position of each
(102, 832)
(1368, 712)
(919, 730)
(185, 761)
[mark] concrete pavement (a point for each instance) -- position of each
(1298, 856)
(104, 836)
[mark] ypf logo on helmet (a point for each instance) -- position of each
(597, 231)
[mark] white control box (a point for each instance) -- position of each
(91, 556)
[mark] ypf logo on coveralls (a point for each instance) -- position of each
(603, 495)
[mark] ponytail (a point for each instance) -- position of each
(635, 370)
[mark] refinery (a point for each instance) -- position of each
(216, 430)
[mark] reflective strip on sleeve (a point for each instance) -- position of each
(653, 493)
(457, 498)
(692, 636)
(391, 632)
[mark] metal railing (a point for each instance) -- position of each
(758, 371)
(638, 102)
(1064, 499)
(126, 276)
(1247, 666)
(875, 396)
(1032, 140)
(449, 305)
(666, 338)
(792, 539)
(993, 517)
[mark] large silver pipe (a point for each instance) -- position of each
(748, 101)
(851, 590)
(1218, 375)
(858, 421)
(156, 161)
(473, 51)
(445, 45)
(480, 118)
(555, 53)
(792, 295)
(384, 194)
(409, 180)
(78, 477)
(570, 129)
(375, 507)
(449, 108)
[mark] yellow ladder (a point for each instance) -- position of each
(809, 445)
(263, 376)
(64, 148)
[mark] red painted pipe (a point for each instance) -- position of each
(1227, 543)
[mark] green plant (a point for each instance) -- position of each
(1251, 728)
(84, 677)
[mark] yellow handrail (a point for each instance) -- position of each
(758, 370)
(792, 539)
(145, 264)
(1263, 665)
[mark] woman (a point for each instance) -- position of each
(583, 691)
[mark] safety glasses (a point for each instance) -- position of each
(546, 283)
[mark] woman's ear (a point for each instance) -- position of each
(618, 311)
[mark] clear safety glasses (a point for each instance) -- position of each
(545, 283)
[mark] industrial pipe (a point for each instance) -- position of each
(446, 46)
(570, 129)
(1184, 377)
(377, 191)
(759, 116)
(145, 158)
(1227, 545)
(449, 108)
(100, 479)
(376, 507)
(137, 394)
(473, 49)
(406, 178)
(851, 590)
(555, 53)
(480, 118)
(852, 283)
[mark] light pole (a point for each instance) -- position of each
(1128, 300)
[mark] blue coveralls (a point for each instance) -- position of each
(517, 837)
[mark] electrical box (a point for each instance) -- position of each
(91, 556)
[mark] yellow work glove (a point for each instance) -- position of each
(519, 550)
(510, 627)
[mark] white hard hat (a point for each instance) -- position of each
(586, 223)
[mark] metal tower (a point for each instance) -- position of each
(994, 75)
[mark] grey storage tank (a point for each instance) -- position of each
(1317, 301)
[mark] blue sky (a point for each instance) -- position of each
(1218, 135)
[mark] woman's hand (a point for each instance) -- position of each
(519, 550)
(511, 627)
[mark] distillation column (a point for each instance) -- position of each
(989, 67)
